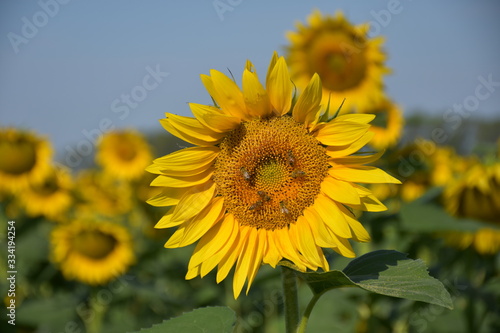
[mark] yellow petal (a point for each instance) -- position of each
(210, 245)
(308, 105)
(322, 235)
(170, 181)
(165, 221)
(213, 118)
(229, 96)
(194, 200)
(201, 223)
(280, 88)
(167, 125)
(340, 191)
(257, 259)
(362, 174)
(256, 98)
(185, 162)
(359, 233)
(342, 151)
(193, 128)
(361, 118)
(234, 252)
(305, 240)
(289, 250)
(358, 159)
(340, 133)
(332, 216)
(168, 197)
(272, 63)
(272, 255)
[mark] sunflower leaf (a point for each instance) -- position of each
(384, 272)
(209, 319)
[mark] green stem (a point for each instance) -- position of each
(93, 322)
(307, 313)
(290, 298)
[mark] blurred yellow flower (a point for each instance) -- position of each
(124, 154)
(388, 124)
(50, 198)
(350, 65)
(93, 252)
(24, 159)
(476, 194)
(267, 179)
(102, 193)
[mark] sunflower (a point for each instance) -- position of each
(350, 64)
(388, 124)
(267, 179)
(50, 198)
(90, 251)
(124, 154)
(476, 195)
(102, 193)
(24, 159)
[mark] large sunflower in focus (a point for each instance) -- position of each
(24, 159)
(350, 65)
(266, 180)
(93, 252)
(124, 154)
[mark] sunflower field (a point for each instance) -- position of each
(299, 200)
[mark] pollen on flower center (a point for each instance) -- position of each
(269, 171)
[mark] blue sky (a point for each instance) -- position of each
(69, 75)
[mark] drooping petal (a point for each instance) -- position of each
(210, 244)
(227, 262)
(271, 256)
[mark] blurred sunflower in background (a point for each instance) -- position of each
(24, 159)
(51, 198)
(350, 64)
(267, 179)
(92, 251)
(476, 195)
(387, 125)
(102, 193)
(123, 154)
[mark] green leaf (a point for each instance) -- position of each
(384, 272)
(210, 319)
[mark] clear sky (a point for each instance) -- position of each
(65, 65)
